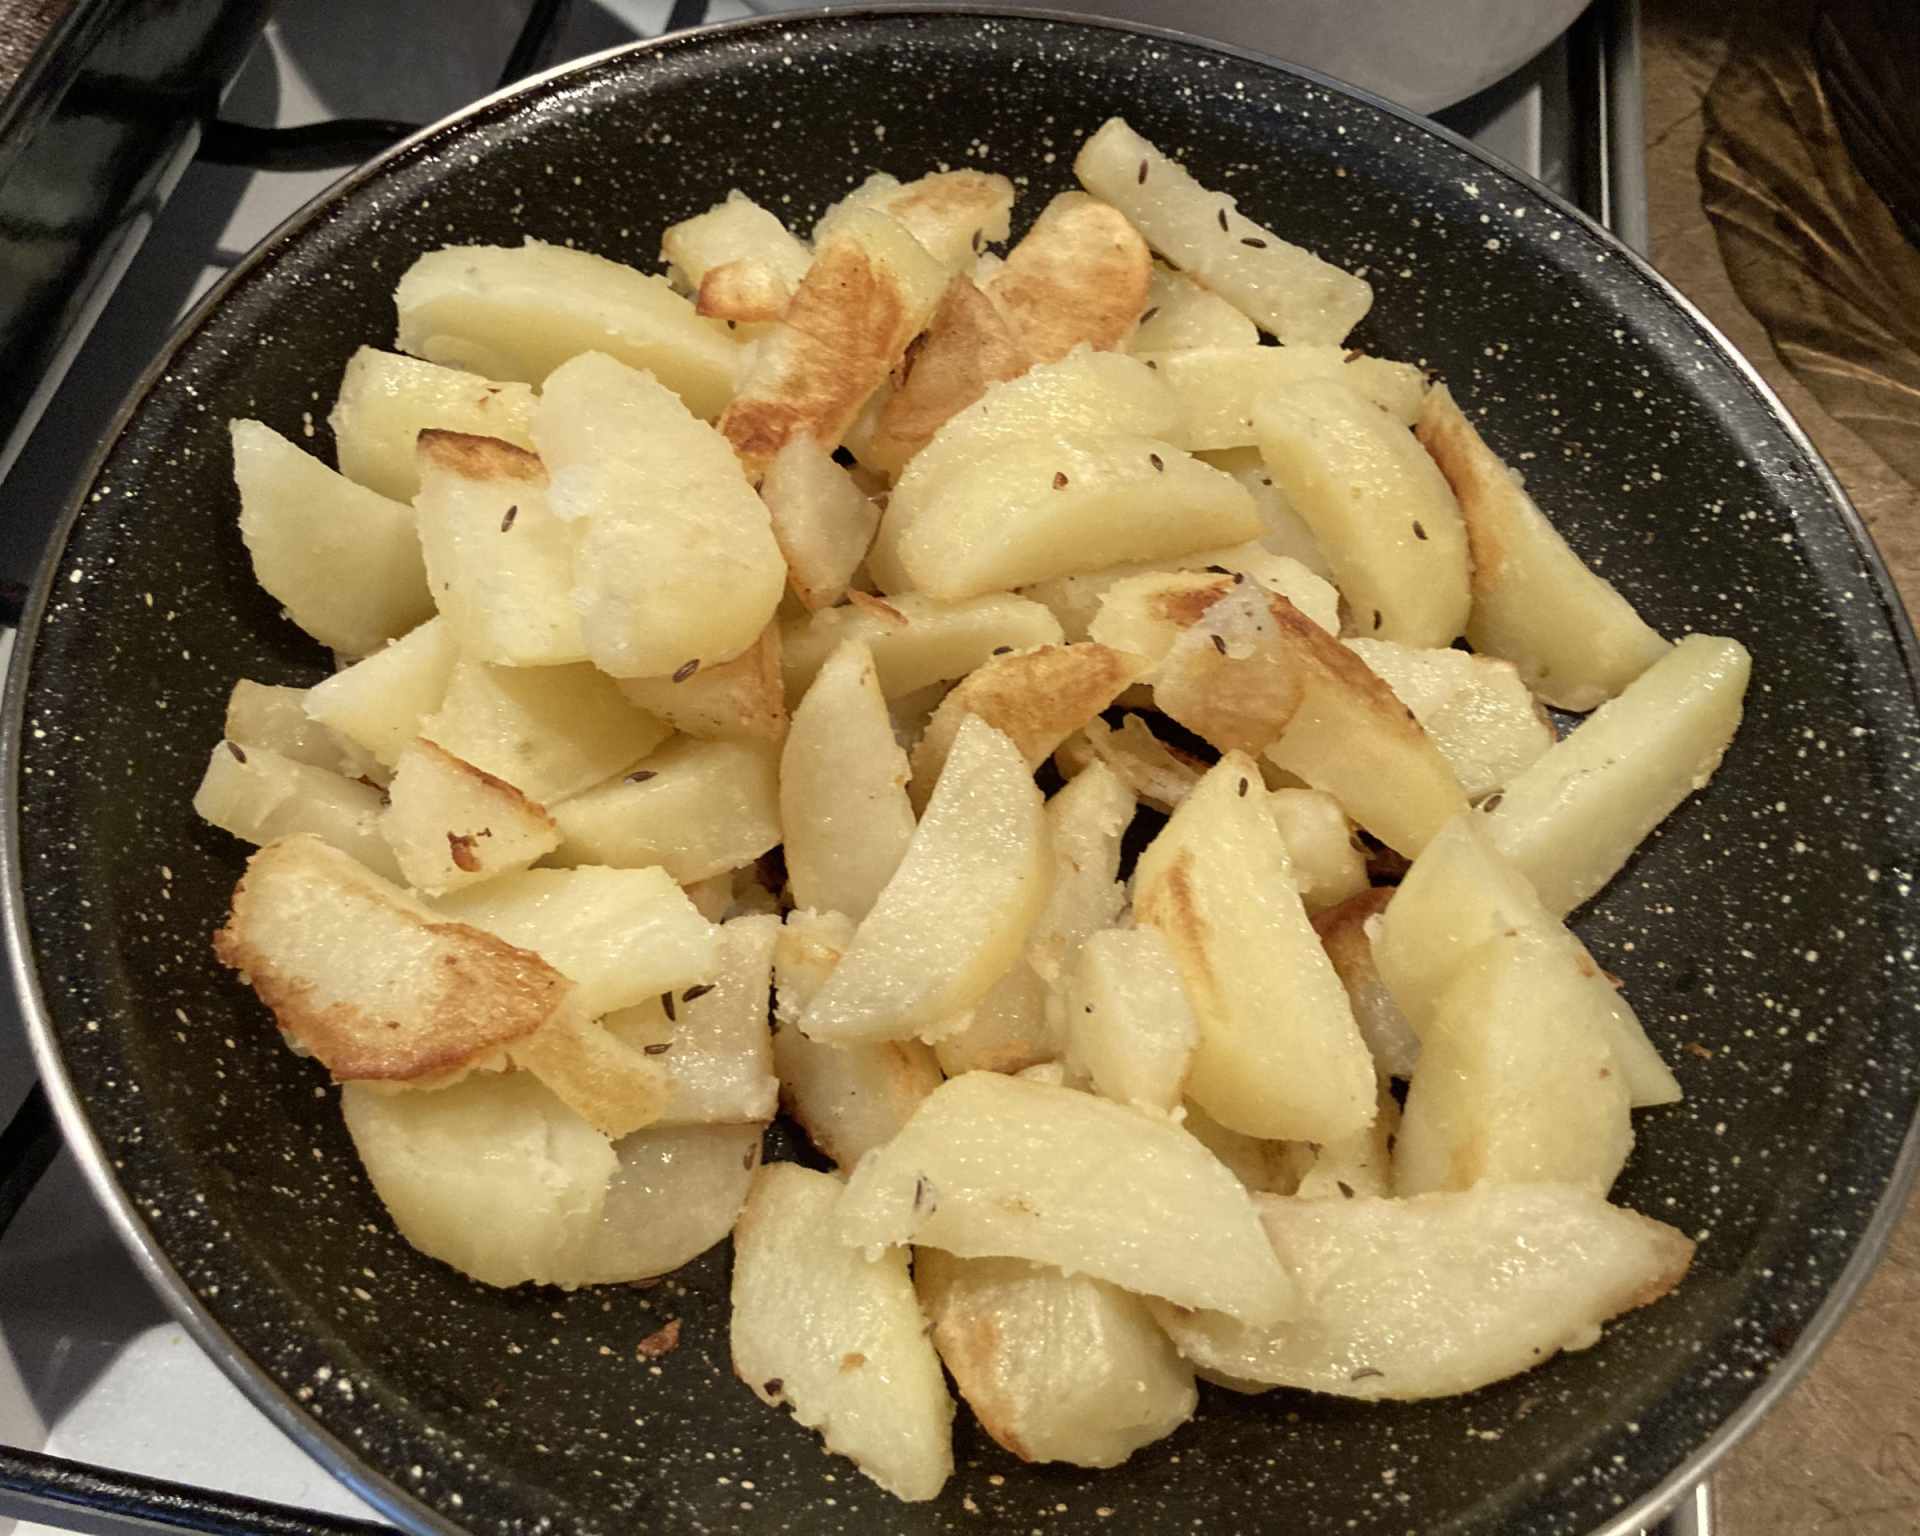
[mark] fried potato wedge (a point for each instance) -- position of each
(837, 1335)
(1575, 639)
(1079, 276)
(1217, 386)
(744, 699)
(737, 230)
(274, 716)
(386, 401)
(916, 641)
(822, 521)
(369, 982)
(1286, 532)
(1076, 600)
(452, 825)
(1129, 1027)
(995, 1166)
(967, 348)
(1361, 1164)
(1289, 291)
(1346, 935)
(743, 292)
(380, 702)
(1327, 866)
(1160, 775)
(616, 1088)
(951, 213)
(677, 1190)
(1182, 313)
(1148, 612)
(260, 797)
(1262, 1166)
(1443, 1293)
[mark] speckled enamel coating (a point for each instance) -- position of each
(1768, 924)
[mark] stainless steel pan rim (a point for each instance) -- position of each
(388, 1497)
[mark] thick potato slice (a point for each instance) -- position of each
(380, 702)
(1129, 1027)
(695, 808)
(951, 213)
(1060, 506)
(1289, 291)
(1007, 1030)
(1287, 532)
(1516, 1082)
(493, 1175)
(1279, 1053)
(1574, 817)
(1459, 894)
(369, 982)
(1181, 313)
(500, 563)
(342, 560)
(621, 935)
(871, 289)
(1217, 386)
(1473, 708)
(1146, 613)
(1156, 773)
(386, 401)
(615, 1087)
(1355, 1165)
(260, 797)
(677, 1191)
(519, 312)
(452, 825)
(821, 520)
(550, 732)
(1076, 600)
(849, 1099)
(1327, 867)
(1056, 1367)
(744, 699)
(843, 789)
(744, 292)
(1575, 639)
(837, 1335)
(1038, 697)
(737, 230)
(676, 567)
(916, 641)
(1440, 1294)
(1379, 510)
(1000, 1166)
(1345, 933)
(953, 917)
(1079, 276)
(275, 717)
(714, 1050)
(967, 348)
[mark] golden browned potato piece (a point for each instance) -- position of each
(743, 291)
(743, 698)
(1080, 275)
(967, 346)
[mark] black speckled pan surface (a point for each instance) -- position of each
(1769, 922)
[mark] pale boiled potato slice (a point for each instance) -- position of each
(1460, 893)
(548, 731)
(1217, 386)
(1576, 640)
(871, 289)
(1038, 697)
(1381, 513)
(498, 560)
(386, 401)
(1181, 313)
(1475, 709)
(1287, 532)
(837, 1335)
(916, 641)
(843, 789)
(1327, 866)
(951, 213)
(738, 229)
(1289, 291)
(1440, 1294)
(275, 717)
(1079, 276)
(714, 1050)
(991, 1165)
(342, 560)
(695, 808)
(677, 566)
(260, 796)
(1361, 1164)
(1076, 600)
(1574, 817)
(1516, 1082)
(849, 1099)
(1263, 1166)
(967, 348)
(1345, 933)
(380, 702)
(493, 1175)
(957, 910)
(676, 1192)
(1159, 775)
(1279, 1053)
(821, 520)
(744, 698)
(450, 825)
(371, 983)
(519, 312)
(622, 935)
(1055, 1367)
(1058, 506)
(1129, 1027)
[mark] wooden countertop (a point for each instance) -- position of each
(1841, 1455)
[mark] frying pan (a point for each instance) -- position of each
(1764, 932)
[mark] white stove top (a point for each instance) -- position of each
(92, 1366)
